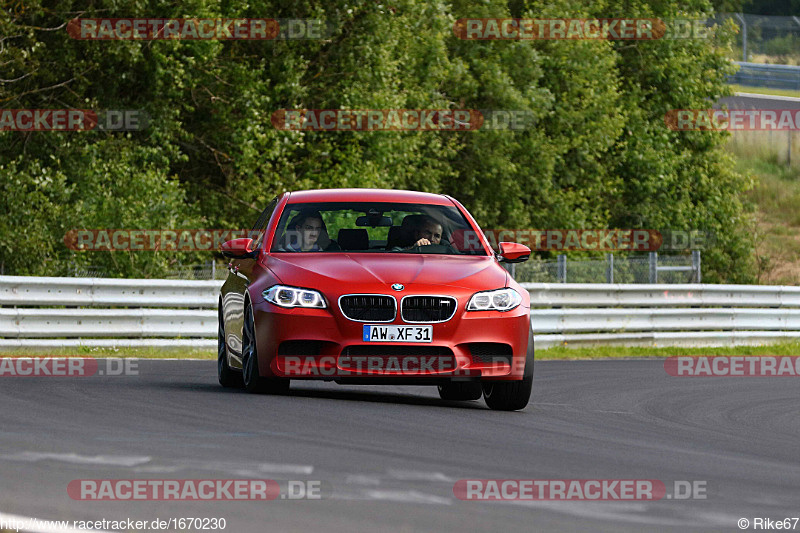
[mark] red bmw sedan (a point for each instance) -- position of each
(376, 287)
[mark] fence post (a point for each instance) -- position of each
(511, 268)
(653, 267)
(797, 82)
(609, 268)
(213, 269)
(696, 266)
(562, 268)
(744, 35)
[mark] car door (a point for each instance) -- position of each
(235, 286)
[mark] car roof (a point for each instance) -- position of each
(368, 195)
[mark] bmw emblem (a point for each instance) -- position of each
(397, 286)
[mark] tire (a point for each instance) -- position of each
(460, 390)
(512, 395)
(227, 376)
(253, 382)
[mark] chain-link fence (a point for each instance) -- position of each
(208, 270)
(764, 39)
(86, 272)
(651, 268)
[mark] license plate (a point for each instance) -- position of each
(398, 333)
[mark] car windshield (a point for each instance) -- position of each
(375, 227)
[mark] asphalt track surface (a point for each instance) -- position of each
(759, 101)
(388, 456)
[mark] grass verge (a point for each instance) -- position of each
(614, 352)
(765, 90)
(87, 351)
(775, 196)
(555, 353)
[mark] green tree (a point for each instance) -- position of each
(598, 153)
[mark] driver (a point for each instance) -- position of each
(308, 226)
(428, 232)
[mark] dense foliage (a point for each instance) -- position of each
(599, 154)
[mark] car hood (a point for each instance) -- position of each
(360, 270)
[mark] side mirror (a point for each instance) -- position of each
(514, 252)
(238, 249)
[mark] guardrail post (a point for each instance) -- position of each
(609, 268)
(653, 267)
(696, 266)
(562, 268)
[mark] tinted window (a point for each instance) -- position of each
(375, 227)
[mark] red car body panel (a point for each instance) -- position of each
(331, 334)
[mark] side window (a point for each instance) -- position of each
(261, 224)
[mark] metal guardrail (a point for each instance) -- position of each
(663, 315)
(129, 323)
(134, 311)
(31, 291)
(659, 320)
(646, 295)
(766, 75)
(60, 312)
(693, 339)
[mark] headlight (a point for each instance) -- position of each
(499, 300)
(285, 296)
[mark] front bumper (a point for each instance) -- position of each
(323, 344)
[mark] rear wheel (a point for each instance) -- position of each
(512, 395)
(226, 375)
(253, 382)
(460, 390)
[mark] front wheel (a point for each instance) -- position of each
(512, 395)
(253, 382)
(225, 374)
